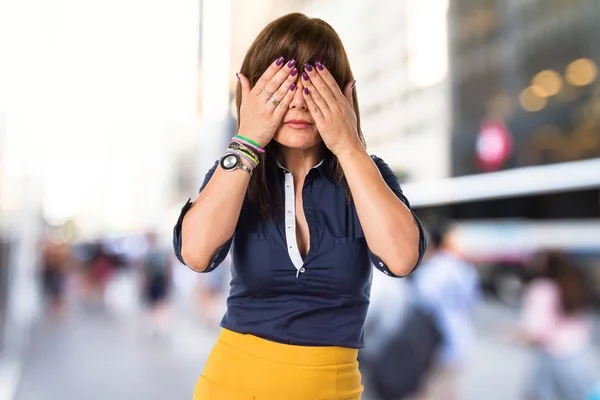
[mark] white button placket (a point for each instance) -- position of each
(290, 224)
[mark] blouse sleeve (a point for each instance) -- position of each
(392, 181)
(218, 257)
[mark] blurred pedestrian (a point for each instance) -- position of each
(305, 210)
(157, 284)
(211, 291)
(100, 268)
(55, 259)
(448, 286)
(401, 341)
(557, 322)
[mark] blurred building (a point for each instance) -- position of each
(91, 124)
(400, 62)
(529, 69)
(525, 106)
(525, 110)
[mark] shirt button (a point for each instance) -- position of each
(380, 264)
(302, 270)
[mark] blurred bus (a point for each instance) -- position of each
(505, 217)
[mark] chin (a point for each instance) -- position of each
(302, 139)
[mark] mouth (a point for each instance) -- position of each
(298, 123)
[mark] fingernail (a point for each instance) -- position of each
(354, 85)
(306, 90)
(307, 67)
(279, 61)
(291, 63)
(293, 87)
(319, 66)
(294, 72)
(305, 76)
(237, 76)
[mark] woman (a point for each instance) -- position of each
(557, 322)
(304, 209)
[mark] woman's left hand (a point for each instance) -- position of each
(330, 108)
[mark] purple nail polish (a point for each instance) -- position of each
(237, 76)
(305, 76)
(308, 67)
(306, 91)
(291, 63)
(279, 61)
(293, 87)
(294, 72)
(319, 66)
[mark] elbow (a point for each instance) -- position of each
(192, 257)
(403, 264)
(405, 256)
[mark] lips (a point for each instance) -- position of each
(298, 122)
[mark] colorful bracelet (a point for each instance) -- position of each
(250, 156)
(255, 148)
(240, 154)
(247, 150)
(250, 142)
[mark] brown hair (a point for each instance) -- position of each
(575, 292)
(306, 40)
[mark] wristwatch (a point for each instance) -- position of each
(232, 161)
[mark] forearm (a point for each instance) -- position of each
(389, 226)
(212, 219)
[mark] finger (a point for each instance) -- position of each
(314, 94)
(283, 106)
(348, 92)
(324, 73)
(281, 76)
(283, 88)
(267, 75)
(320, 87)
(245, 83)
(312, 106)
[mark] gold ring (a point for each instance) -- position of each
(276, 102)
(267, 92)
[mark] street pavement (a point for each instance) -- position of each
(98, 353)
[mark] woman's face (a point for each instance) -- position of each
(298, 129)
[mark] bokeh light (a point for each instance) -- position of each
(548, 80)
(531, 101)
(581, 72)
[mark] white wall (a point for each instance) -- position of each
(403, 99)
(97, 96)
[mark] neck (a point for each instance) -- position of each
(300, 161)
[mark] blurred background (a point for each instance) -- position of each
(112, 111)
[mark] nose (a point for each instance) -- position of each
(298, 102)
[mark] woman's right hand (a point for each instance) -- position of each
(259, 116)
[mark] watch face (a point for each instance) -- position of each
(229, 161)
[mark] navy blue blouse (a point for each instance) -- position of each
(275, 294)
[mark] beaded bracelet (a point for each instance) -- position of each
(249, 151)
(242, 155)
(250, 156)
(249, 142)
(242, 142)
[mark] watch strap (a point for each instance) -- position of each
(244, 167)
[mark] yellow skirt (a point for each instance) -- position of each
(245, 367)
